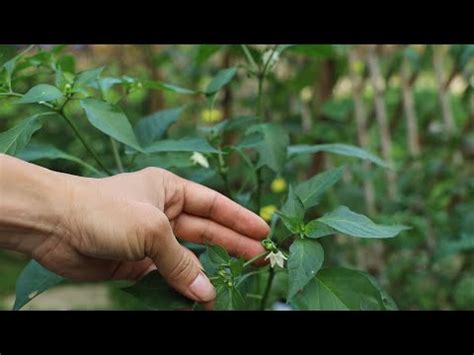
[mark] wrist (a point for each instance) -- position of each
(31, 204)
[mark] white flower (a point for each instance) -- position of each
(276, 258)
(199, 159)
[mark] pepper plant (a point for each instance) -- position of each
(292, 269)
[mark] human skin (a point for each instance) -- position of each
(121, 227)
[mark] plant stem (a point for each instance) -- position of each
(259, 189)
(117, 158)
(260, 96)
(84, 142)
(60, 112)
(249, 57)
(255, 258)
(271, 275)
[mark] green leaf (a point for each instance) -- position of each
(110, 120)
(233, 123)
(67, 63)
(33, 280)
(37, 151)
(159, 85)
(237, 266)
(222, 78)
(10, 65)
(181, 145)
(305, 259)
(293, 224)
(272, 147)
(311, 190)
(387, 300)
(60, 79)
(87, 77)
(347, 222)
(316, 229)
(217, 254)
(205, 51)
(228, 298)
(250, 140)
(339, 289)
(154, 126)
(452, 247)
(41, 92)
(16, 138)
(341, 149)
(293, 206)
(155, 293)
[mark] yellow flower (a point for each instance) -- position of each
(278, 185)
(266, 212)
(358, 66)
(211, 116)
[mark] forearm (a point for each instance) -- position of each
(30, 209)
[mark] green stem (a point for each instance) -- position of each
(84, 142)
(259, 189)
(60, 111)
(271, 275)
(249, 57)
(118, 160)
(255, 258)
(260, 96)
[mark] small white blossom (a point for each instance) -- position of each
(276, 258)
(199, 159)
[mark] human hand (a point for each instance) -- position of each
(123, 227)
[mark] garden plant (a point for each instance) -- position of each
(254, 157)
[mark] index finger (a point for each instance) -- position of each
(202, 201)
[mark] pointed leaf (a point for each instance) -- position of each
(222, 78)
(305, 259)
(228, 298)
(16, 138)
(87, 77)
(33, 280)
(217, 254)
(153, 127)
(340, 289)
(37, 151)
(159, 85)
(272, 148)
(42, 92)
(347, 222)
(182, 145)
(110, 120)
(311, 190)
(342, 149)
(316, 229)
(205, 51)
(293, 206)
(155, 293)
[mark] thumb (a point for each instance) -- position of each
(178, 265)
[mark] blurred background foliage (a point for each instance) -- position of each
(411, 104)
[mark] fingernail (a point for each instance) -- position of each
(202, 288)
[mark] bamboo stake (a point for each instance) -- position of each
(439, 53)
(381, 116)
(361, 122)
(409, 108)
